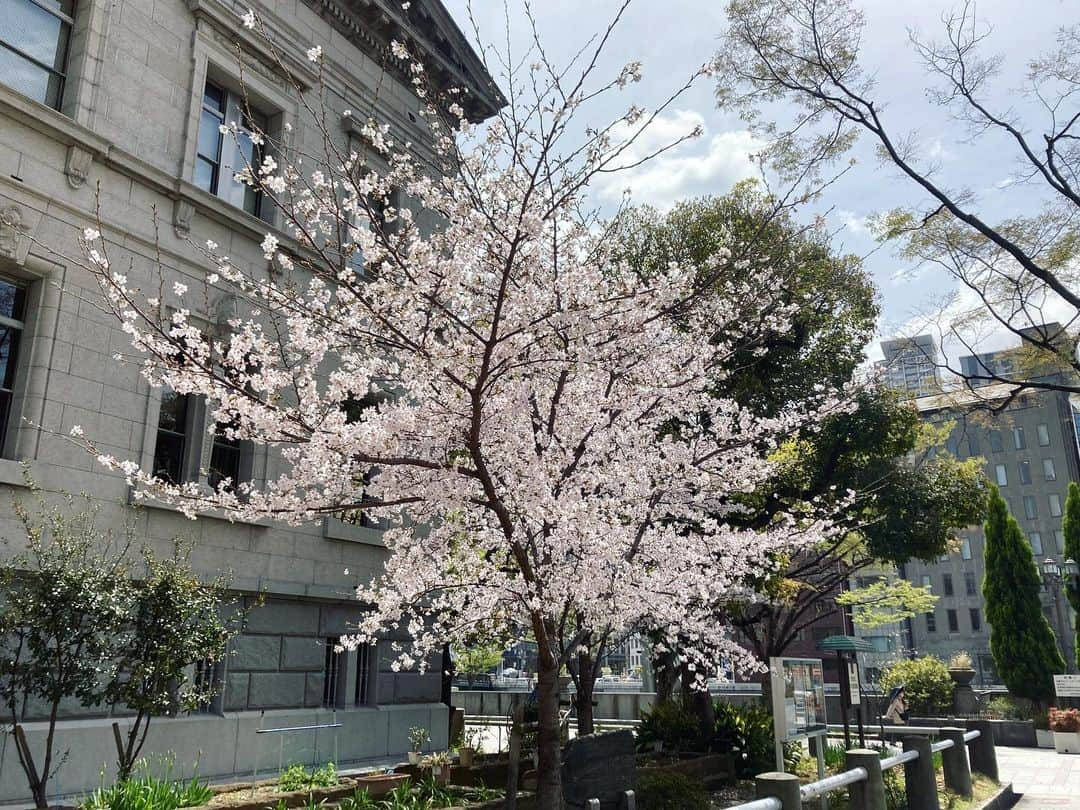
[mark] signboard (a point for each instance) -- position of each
(1067, 685)
(798, 696)
(853, 683)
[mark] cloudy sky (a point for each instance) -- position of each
(673, 37)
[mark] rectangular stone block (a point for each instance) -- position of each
(313, 694)
(256, 653)
(286, 617)
(236, 691)
(276, 690)
(303, 653)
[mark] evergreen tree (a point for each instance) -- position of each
(1024, 647)
(1070, 527)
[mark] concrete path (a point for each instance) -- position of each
(1046, 778)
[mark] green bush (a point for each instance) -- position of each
(144, 791)
(747, 732)
(297, 777)
(669, 791)
(928, 689)
(670, 724)
(1007, 708)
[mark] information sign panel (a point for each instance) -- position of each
(1067, 685)
(798, 696)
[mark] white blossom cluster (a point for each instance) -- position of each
(542, 434)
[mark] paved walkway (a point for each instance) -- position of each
(1046, 778)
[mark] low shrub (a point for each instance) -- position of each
(669, 791)
(144, 791)
(747, 732)
(670, 724)
(1007, 708)
(298, 777)
(928, 688)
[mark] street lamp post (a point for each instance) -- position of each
(1056, 579)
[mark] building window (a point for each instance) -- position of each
(1031, 511)
(995, 441)
(174, 432)
(954, 620)
(973, 444)
(12, 323)
(969, 583)
(1055, 504)
(206, 681)
(332, 671)
(1059, 539)
(1019, 442)
(1049, 472)
(1002, 475)
(1025, 472)
(1043, 434)
(34, 37)
(362, 691)
(1035, 538)
(965, 548)
(931, 622)
(927, 582)
(976, 619)
(221, 155)
(946, 581)
(225, 457)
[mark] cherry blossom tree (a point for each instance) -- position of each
(452, 343)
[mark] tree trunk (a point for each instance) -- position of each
(549, 772)
(586, 683)
(665, 673)
(699, 702)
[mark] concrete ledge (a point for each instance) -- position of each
(1001, 800)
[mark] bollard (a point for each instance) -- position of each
(982, 751)
(629, 801)
(954, 763)
(868, 794)
(920, 781)
(593, 804)
(783, 786)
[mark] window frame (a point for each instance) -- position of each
(947, 584)
(1031, 507)
(233, 108)
(952, 618)
(13, 368)
(1019, 438)
(975, 618)
(1036, 543)
(1053, 503)
(1024, 468)
(1042, 433)
(67, 24)
(931, 621)
(1049, 470)
(1001, 475)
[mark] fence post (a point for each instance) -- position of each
(954, 762)
(981, 750)
(870, 793)
(783, 786)
(920, 781)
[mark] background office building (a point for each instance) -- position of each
(130, 95)
(911, 365)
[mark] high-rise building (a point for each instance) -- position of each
(1030, 453)
(1018, 362)
(911, 365)
(135, 98)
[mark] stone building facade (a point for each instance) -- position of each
(1030, 450)
(113, 107)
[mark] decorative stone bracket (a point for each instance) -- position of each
(17, 226)
(183, 213)
(77, 166)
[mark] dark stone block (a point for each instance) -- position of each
(598, 766)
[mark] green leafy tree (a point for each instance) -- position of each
(65, 597)
(928, 687)
(175, 622)
(1024, 647)
(478, 660)
(1070, 527)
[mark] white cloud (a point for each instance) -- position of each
(859, 225)
(706, 165)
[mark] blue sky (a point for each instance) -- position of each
(673, 37)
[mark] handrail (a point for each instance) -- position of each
(770, 803)
(899, 759)
(941, 745)
(830, 783)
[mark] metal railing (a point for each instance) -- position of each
(864, 781)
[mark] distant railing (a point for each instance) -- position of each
(864, 780)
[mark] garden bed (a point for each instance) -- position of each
(708, 768)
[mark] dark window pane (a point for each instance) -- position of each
(9, 353)
(214, 97)
(210, 136)
(224, 461)
(25, 77)
(12, 301)
(173, 416)
(169, 457)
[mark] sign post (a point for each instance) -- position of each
(798, 703)
(1067, 686)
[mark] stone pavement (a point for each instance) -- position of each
(1044, 777)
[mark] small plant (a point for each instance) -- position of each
(1065, 720)
(359, 800)
(961, 660)
(670, 791)
(1006, 708)
(418, 738)
(670, 725)
(928, 687)
(144, 791)
(473, 738)
(297, 777)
